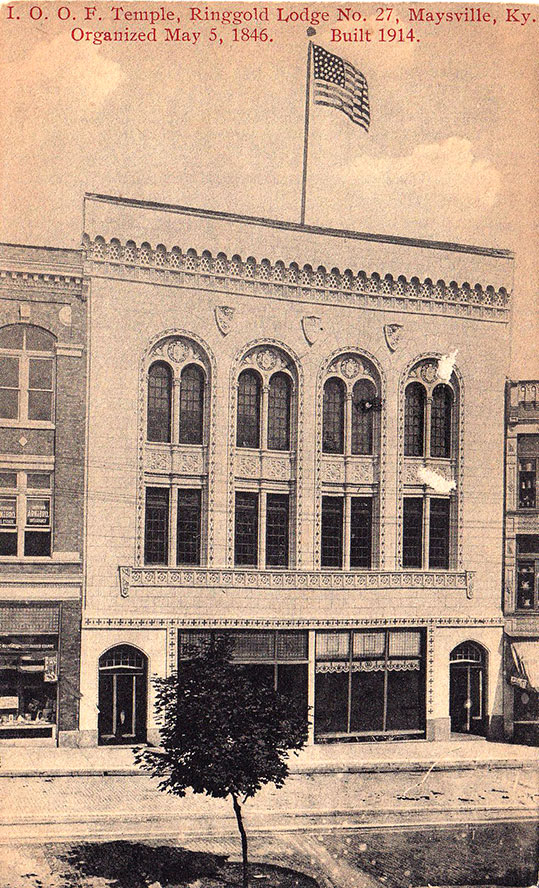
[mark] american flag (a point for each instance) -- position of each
(339, 85)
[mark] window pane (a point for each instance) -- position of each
(414, 420)
(412, 532)
(331, 645)
(369, 645)
(332, 531)
(12, 336)
(246, 529)
(257, 644)
(8, 479)
(527, 483)
(156, 526)
(40, 374)
(279, 412)
(292, 683)
(191, 405)
(333, 417)
(405, 700)
(361, 531)
(248, 430)
(189, 514)
(159, 402)
(277, 530)
(525, 585)
(38, 481)
(37, 543)
(8, 543)
(528, 544)
(39, 340)
(40, 405)
(8, 511)
(439, 533)
(363, 396)
(331, 702)
(292, 645)
(367, 701)
(9, 372)
(440, 429)
(9, 404)
(38, 512)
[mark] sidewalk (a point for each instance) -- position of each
(346, 758)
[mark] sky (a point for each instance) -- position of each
(451, 153)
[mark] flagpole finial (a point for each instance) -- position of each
(311, 32)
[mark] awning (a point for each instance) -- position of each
(526, 661)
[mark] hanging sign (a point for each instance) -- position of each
(8, 512)
(38, 512)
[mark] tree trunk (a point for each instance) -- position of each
(243, 834)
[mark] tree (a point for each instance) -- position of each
(220, 733)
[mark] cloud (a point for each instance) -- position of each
(62, 73)
(436, 183)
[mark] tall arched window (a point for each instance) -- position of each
(248, 422)
(279, 412)
(414, 420)
(191, 405)
(333, 416)
(363, 412)
(159, 402)
(440, 428)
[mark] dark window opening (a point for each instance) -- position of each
(159, 402)
(363, 409)
(277, 530)
(440, 428)
(527, 484)
(414, 420)
(189, 527)
(333, 417)
(439, 533)
(246, 530)
(279, 412)
(248, 419)
(412, 532)
(191, 405)
(156, 526)
(332, 531)
(361, 532)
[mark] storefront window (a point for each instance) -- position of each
(28, 685)
(369, 683)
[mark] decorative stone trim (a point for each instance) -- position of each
(290, 282)
(35, 282)
(181, 622)
(199, 578)
(350, 363)
(267, 356)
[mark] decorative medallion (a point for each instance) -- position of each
(266, 359)
(350, 367)
(64, 315)
(393, 333)
(177, 351)
(312, 327)
(224, 316)
(429, 371)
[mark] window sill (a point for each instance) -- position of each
(26, 424)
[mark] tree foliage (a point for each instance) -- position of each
(220, 733)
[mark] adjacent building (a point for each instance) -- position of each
(521, 570)
(286, 442)
(42, 452)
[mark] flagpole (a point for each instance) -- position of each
(306, 132)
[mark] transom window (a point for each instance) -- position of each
(25, 514)
(26, 374)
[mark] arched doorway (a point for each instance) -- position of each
(123, 695)
(467, 689)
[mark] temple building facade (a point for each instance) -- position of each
(42, 463)
(521, 565)
(295, 437)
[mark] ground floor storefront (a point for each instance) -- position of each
(39, 671)
(372, 680)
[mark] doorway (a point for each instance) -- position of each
(122, 696)
(467, 689)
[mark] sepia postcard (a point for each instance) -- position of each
(269, 445)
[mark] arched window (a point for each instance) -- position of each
(333, 416)
(26, 373)
(248, 425)
(191, 405)
(279, 412)
(159, 402)
(440, 428)
(414, 420)
(363, 409)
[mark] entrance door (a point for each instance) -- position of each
(122, 696)
(467, 689)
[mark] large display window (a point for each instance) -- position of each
(370, 683)
(28, 686)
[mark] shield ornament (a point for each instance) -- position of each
(312, 327)
(392, 333)
(224, 317)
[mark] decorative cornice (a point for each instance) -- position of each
(14, 278)
(224, 274)
(200, 578)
